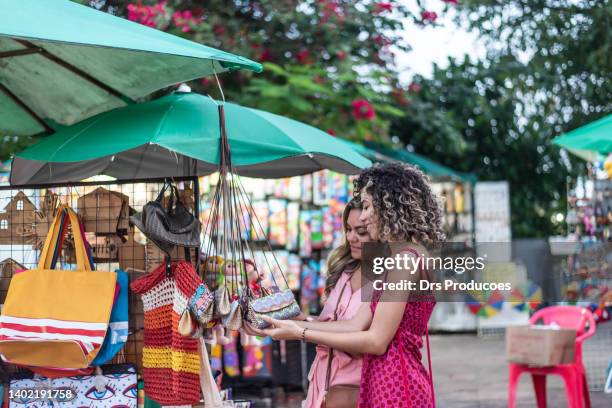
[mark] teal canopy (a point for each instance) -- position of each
(62, 62)
(590, 142)
(179, 135)
(365, 151)
(428, 166)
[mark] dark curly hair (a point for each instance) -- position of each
(405, 207)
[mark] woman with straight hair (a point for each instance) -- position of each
(343, 293)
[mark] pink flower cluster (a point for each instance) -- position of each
(185, 20)
(415, 87)
(146, 15)
(331, 9)
(455, 2)
(381, 7)
(303, 57)
(363, 110)
(429, 16)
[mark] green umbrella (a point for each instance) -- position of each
(179, 135)
(589, 142)
(62, 62)
(366, 152)
(432, 168)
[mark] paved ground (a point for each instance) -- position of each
(470, 372)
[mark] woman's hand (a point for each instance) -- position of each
(251, 330)
(282, 329)
(303, 318)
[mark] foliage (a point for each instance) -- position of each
(547, 71)
(567, 46)
(322, 57)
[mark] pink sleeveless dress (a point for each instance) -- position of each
(398, 379)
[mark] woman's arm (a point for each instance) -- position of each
(373, 340)
(361, 321)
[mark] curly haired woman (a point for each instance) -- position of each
(398, 206)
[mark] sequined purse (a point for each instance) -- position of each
(280, 305)
(201, 304)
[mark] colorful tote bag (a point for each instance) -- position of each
(57, 318)
(115, 386)
(117, 333)
(171, 362)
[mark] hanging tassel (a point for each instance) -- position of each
(212, 398)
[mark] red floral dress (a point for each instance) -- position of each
(398, 379)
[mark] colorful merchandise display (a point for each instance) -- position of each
(277, 222)
(114, 386)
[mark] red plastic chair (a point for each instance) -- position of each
(574, 375)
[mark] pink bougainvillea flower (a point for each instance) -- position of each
(382, 7)
(341, 55)
(331, 8)
(415, 87)
(429, 16)
(185, 20)
(331, 132)
(381, 40)
(363, 110)
(146, 15)
(161, 7)
(218, 29)
(266, 55)
(400, 97)
(455, 2)
(303, 57)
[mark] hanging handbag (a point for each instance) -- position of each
(117, 333)
(171, 362)
(188, 326)
(168, 226)
(57, 318)
(339, 395)
(233, 320)
(222, 302)
(279, 305)
(201, 304)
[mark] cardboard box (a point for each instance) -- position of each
(539, 345)
(132, 254)
(155, 256)
(104, 212)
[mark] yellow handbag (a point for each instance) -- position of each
(57, 318)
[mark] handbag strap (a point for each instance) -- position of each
(60, 243)
(433, 393)
(56, 235)
(331, 350)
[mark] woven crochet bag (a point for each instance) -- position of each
(171, 362)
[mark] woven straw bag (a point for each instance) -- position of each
(171, 362)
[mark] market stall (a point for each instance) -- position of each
(104, 207)
(583, 271)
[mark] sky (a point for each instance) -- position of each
(435, 44)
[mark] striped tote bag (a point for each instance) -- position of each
(57, 318)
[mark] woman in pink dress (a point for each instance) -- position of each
(398, 206)
(344, 279)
